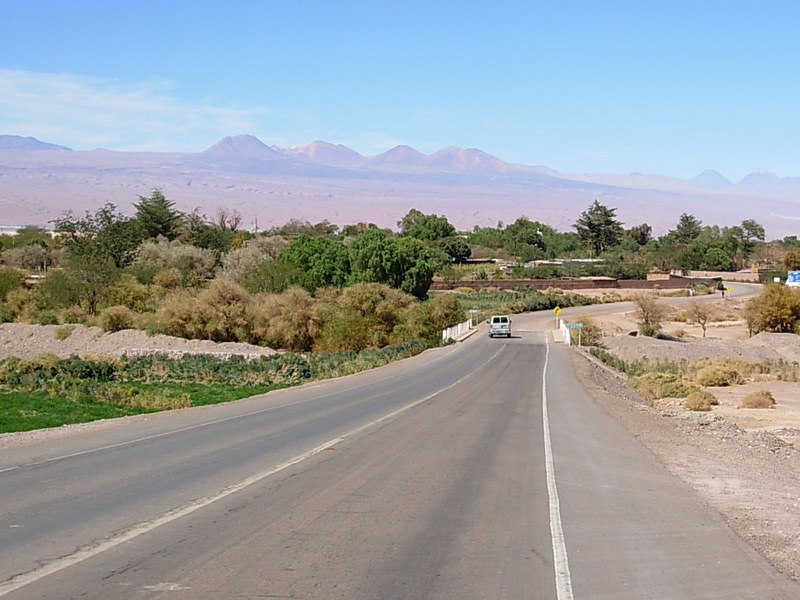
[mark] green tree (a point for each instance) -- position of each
(456, 248)
(424, 227)
(776, 309)
(598, 228)
(526, 239)
(791, 261)
(318, 261)
(403, 263)
(687, 229)
(156, 216)
(716, 259)
(104, 235)
(641, 234)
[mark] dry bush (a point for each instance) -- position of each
(759, 399)
(554, 291)
(287, 321)
(726, 371)
(130, 293)
(168, 278)
(72, 314)
(717, 376)
(195, 264)
(117, 318)
(657, 384)
(609, 297)
(650, 314)
(19, 305)
(777, 309)
(224, 312)
(63, 332)
(179, 315)
(700, 400)
(591, 334)
(365, 316)
(236, 263)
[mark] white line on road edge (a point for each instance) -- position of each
(560, 560)
(96, 548)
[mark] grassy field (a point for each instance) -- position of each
(29, 410)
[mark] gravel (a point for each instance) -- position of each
(26, 341)
(759, 348)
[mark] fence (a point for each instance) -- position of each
(456, 331)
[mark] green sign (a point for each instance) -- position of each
(575, 325)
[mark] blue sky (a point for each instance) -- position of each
(580, 86)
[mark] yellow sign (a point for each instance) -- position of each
(557, 310)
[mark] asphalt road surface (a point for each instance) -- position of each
(480, 470)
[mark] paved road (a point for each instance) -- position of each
(481, 470)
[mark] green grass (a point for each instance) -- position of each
(25, 411)
(47, 391)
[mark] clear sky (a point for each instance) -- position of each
(604, 86)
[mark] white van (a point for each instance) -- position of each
(500, 325)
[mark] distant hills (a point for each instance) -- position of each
(17, 142)
(269, 185)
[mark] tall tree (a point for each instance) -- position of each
(404, 263)
(102, 235)
(598, 228)
(157, 216)
(424, 227)
(641, 234)
(317, 261)
(687, 229)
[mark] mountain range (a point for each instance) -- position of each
(269, 185)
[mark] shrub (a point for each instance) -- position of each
(759, 399)
(129, 293)
(179, 315)
(224, 309)
(63, 332)
(150, 399)
(47, 317)
(591, 334)
(700, 400)
(168, 278)
(650, 314)
(290, 320)
(117, 318)
(72, 314)
(656, 385)
(718, 375)
(776, 309)
(10, 279)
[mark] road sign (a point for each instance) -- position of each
(574, 325)
(557, 310)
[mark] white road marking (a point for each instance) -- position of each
(560, 558)
(135, 531)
